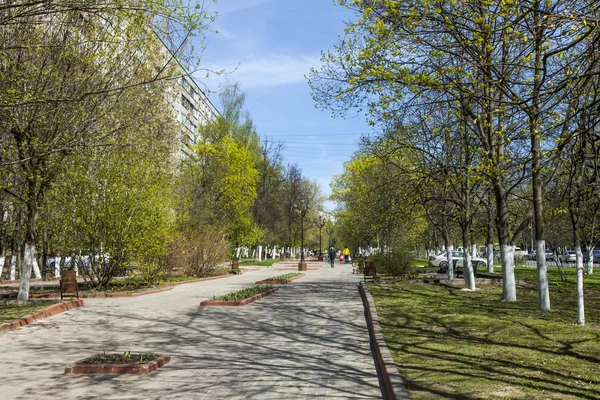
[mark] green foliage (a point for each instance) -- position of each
(262, 263)
(218, 187)
(284, 277)
(243, 294)
(396, 262)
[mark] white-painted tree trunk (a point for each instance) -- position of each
(237, 252)
(474, 250)
(57, 266)
(490, 258)
(580, 299)
(13, 266)
(450, 266)
(28, 259)
(590, 262)
(507, 256)
(259, 253)
(468, 271)
(36, 268)
(2, 261)
(542, 268)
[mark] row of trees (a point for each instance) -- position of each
(489, 113)
(89, 146)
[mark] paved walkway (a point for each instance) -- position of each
(308, 340)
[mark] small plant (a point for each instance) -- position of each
(284, 277)
(243, 294)
(125, 358)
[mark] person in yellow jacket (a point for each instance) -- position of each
(346, 253)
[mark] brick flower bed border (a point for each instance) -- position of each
(393, 386)
(238, 303)
(104, 295)
(282, 282)
(79, 367)
(44, 313)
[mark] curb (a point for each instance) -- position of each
(244, 302)
(393, 385)
(79, 367)
(45, 313)
(283, 282)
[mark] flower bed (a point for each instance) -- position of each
(281, 279)
(241, 297)
(126, 363)
(38, 314)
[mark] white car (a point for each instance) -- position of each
(441, 262)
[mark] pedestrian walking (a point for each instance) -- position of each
(332, 256)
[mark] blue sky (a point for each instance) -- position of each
(273, 44)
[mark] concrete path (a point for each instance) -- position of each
(308, 340)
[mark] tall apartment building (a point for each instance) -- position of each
(192, 109)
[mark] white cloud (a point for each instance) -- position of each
(277, 70)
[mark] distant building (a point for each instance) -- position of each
(192, 108)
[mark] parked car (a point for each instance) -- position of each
(568, 257)
(441, 262)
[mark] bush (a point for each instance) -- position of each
(395, 262)
(198, 252)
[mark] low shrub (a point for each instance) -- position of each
(284, 277)
(198, 252)
(243, 294)
(396, 262)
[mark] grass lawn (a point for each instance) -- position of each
(263, 263)
(12, 311)
(450, 343)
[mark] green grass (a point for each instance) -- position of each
(449, 343)
(12, 311)
(419, 262)
(263, 263)
(284, 277)
(243, 294)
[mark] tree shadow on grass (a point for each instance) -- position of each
(435, 344)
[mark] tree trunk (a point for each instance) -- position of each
(29, 254)
(580, 298)
(489, 252)
(507, 258)
(36, 267)
(2, 261)
(590, 261)
(467, 265)
(57, 260)
(448, 255)
(536, 162)
(13, 262)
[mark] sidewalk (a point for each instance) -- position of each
(308, 340)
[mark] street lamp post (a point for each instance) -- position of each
(320, 224)
(302, 209)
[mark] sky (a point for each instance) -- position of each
(270, 45)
